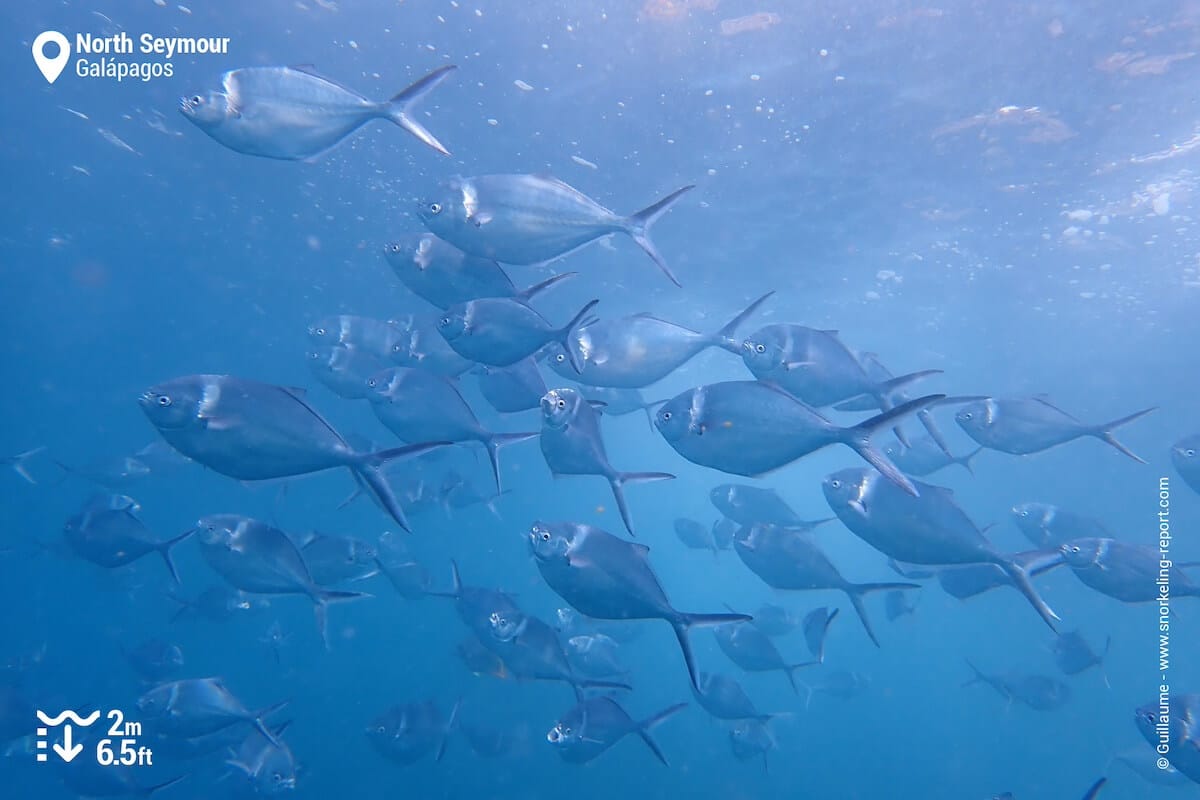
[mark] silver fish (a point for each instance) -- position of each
(1023, 425)
(530, 219)
(294, 114)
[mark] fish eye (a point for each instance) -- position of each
(1189, 452)
(320, 331)
(567, 731)
(380, 729)
(545, 536)
(1075, 548)
(444, 321)
(835, 483)
(561, 403)
(666, 415)
(277, 777)
(560, 358)
(967, 415)
(395, 248)
(196, 100)
(760, 348)
(371, 382)
(164, 401)
(435, 208)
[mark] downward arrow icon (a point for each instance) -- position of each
(66, 751)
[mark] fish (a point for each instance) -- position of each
(1048, 526)
(751, 738)
(816, 367)
(840, 684)
(636, 351)
(617, 402)
(479, 660)
(1025, 425)
(753, 650)
(344, 370)
(927, 529)
(784, 559)
(1142, 761)
(1073, 654)
(500, 331)
(424, 348)
(1183, 457)
(604, 577)
(154, 660)
(1169, 724)
(572, 445)
(924, 456)
(294, 114)
(1126, 572)
(276, 638)
(255, 557)
(256, 431)
(694, 535)
(107, 532)
(724, 698)
(116, 473)
(337, 559)
(748, 505)
(216, 604)
(444, 276)
(597, 723)
(409, 732)
(751, 428)
(595, 655)
(408, 576)
(1039, 692)
(417, 405)
(199, 706)
(518, 387)
(531, 649)
(816, 629)
(896, 605)
(532, 219)
(266, 767)
(376, 338)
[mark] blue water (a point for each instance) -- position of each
(1005, 192)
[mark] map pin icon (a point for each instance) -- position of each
(51, 67)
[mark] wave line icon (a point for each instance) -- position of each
(68, 714)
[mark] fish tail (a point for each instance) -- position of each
(1094, 789)
(638, 226)
(979, 677)
(451, 725)
(819, 649)
(590, 684)
(563, 335)
(858, 438)
(618, 482)
(17, 463)
(257, 719)
(1105, 433)
(886, 389)
(184, 606)
(935, 432)
(790, 671)
(322, 598)
(399, 108)
(1020, 577)
(726, 336)
(164, 550)
(365, 467)
(493, 443)
(856, 592)
(456, 587)
(684, 622)
(965, 461)
(645, 726)
(533, 291)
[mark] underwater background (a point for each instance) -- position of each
(1005, 192)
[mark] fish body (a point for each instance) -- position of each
(294, 114)
(724, 698)
(1048, 526)
(572, 445)
(1024, 425)
(500, 331)
(604, 577)
(785, 559)
(747, 505)
(753, 650)
(407, 733)
(197, 707)
(531, 219)
(518, 387)
(751, 428)
(927, 529)
(443, 275)
(107, 532)
(257, 431)
(596, 724)
(344, 370)
(1185, 456)
(636, 351)
(1126, 572)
